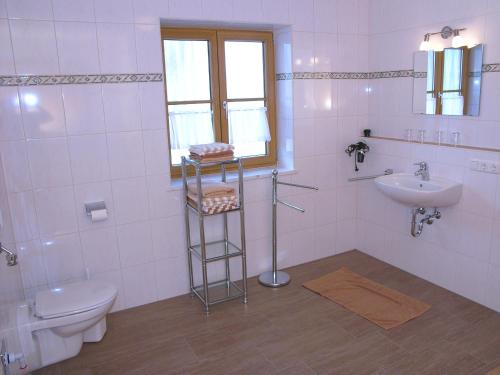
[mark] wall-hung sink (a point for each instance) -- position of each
(412, 191)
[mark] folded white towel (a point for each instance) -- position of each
(210, 148)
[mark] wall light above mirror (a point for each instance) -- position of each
(447, 81)
(457, 41)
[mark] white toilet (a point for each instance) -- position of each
(59, 322)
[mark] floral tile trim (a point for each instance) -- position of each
(366, 75)
(36, 80)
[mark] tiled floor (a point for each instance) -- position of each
(294, 331)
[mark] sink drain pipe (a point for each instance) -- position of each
(417, 228)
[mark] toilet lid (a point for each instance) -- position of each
(73, 298)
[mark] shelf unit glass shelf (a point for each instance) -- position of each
(219, 291)
(216, 250)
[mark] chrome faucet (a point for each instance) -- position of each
(9, 256)
(423, 170)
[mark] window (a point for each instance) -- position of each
(220, 88)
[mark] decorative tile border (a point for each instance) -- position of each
(35, 80)
(491, 67)
(367, 75)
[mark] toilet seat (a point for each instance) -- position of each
(73, 299)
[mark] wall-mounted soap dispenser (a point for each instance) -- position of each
(359, 149)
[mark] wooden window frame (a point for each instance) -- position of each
(218, 95)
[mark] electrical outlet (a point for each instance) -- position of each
(485, 166)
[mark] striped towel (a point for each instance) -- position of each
(214, 205)
(210, 148)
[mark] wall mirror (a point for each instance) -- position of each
(448, 82)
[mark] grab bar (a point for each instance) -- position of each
(386, 173)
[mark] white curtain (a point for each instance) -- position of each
(190, 128)
(248, 125)
(453, 102)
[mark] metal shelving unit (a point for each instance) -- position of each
(222, 250)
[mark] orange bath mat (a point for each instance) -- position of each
(495, 371)
(385, 307)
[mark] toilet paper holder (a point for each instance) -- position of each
(94, 206)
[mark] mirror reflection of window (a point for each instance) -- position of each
(430, 107)
(448, 82)
(452, 93)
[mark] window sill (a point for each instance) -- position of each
(248, 175)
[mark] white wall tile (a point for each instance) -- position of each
(185, 9)
(303, 51)
(170, 278)
(73, 10)
(56, 211)
(30, 9)
(49, 162)
(3, 9)
(6, 54)
(121, 107)
(325, 16)
(16, 166)
(156, 152)
(135, 243)
(168, 240)
(63, 259)
(77, 48)
(34, 38)
(162, 201)
(149, 48)
(276, 11)
(94, 192)
(153, 109)
(326, 52)
(42, 111)
(139, 285)
(100, 250)
(117, 51)
(77, 101)
(217, 9)
(247, 10)
(126, 155)
(302, 15)
(11, 126)
(130, 200)
(150, 11)
(89, 158)
(32, 264)
(23, 213)
(114, 11)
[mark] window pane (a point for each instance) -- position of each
(255, 128)
(187, 70)
(190, 124)
(244, 69)
(452, 71)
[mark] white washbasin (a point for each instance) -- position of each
(412, 191)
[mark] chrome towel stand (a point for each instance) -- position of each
(275, 278)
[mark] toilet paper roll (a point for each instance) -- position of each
(99, 215)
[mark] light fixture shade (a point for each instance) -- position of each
(425, 45)
(458, 41)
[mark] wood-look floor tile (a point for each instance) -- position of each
(294, 331)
